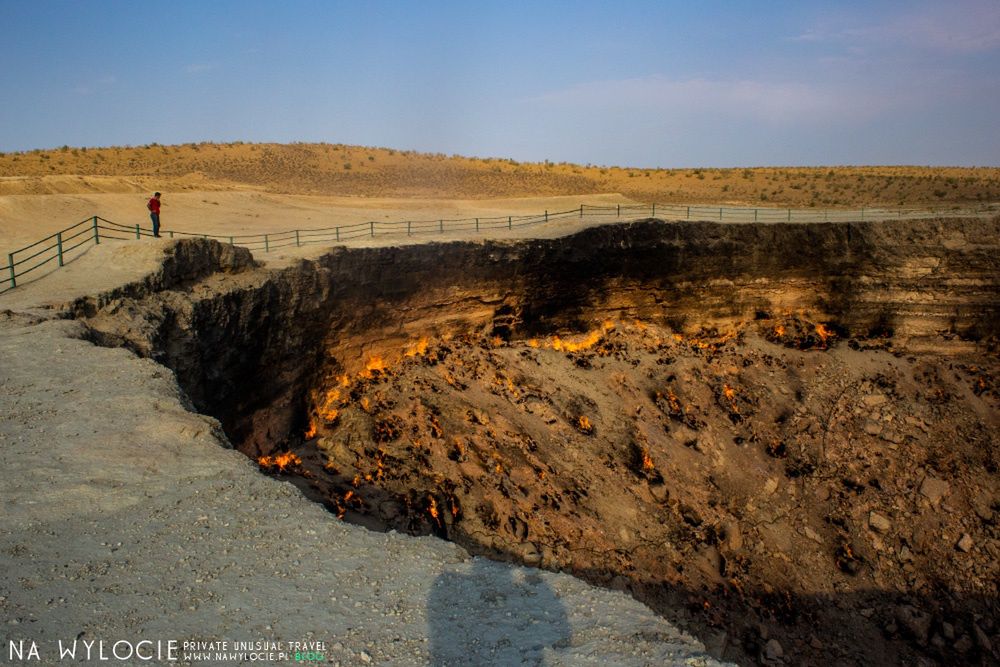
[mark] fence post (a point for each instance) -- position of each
(441, 226)
(477, 225)
(337, 230)
(97, 234)
(408, 224)
(862, 212)
(720, 213)
(13, 274)
(297, 244)
(789, 215)
(267, 244)
(171, 232)
(231, 241)
(654, 210)
(509, 223)
(546, 215)
(619, 210)
(59, 247)
(581, 210)
(372, 225)
(689, 213)
(755, 215)
(137, 232)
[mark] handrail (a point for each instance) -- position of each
(282, 239)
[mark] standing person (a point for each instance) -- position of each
(154, 213)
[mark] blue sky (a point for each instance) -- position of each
(646, 84)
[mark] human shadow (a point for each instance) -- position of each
(494, 614)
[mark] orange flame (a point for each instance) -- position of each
(647, 462)
(779, 331)
(673, 402)
(584, 424)
(311, 431)
(416, 349)
(374, 366)
(729, 392)
(588, 341)
(280, 461)
(823, 333)
(436, 429)
(432, 509)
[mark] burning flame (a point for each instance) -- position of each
(673, 402)
(779, 331)
(584, 424)
(588, 341)
(823, 333)
(326, 409)
(647, 462)
(730, 395)
(280, 461)
(432, 509)
(374, 366)
(436, 429)
(310, 432)
(416, 349)
(497, 341)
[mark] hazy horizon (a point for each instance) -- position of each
(639, 84)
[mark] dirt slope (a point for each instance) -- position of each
(330, 169)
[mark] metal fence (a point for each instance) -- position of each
(70, 242)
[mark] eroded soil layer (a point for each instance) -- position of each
(783, 435)
(840, 500)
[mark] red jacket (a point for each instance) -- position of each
(154, 205)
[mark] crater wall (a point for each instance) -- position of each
(245, 348)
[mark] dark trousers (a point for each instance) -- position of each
(155, 217)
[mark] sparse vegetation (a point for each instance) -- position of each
(338, 169)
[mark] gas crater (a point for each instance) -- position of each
(770, 433)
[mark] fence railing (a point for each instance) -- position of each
(67, 243)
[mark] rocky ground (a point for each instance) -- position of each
(794, 497)
(127, 517)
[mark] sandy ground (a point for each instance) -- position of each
(25, 219)
(125, 517)
(93, 269)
